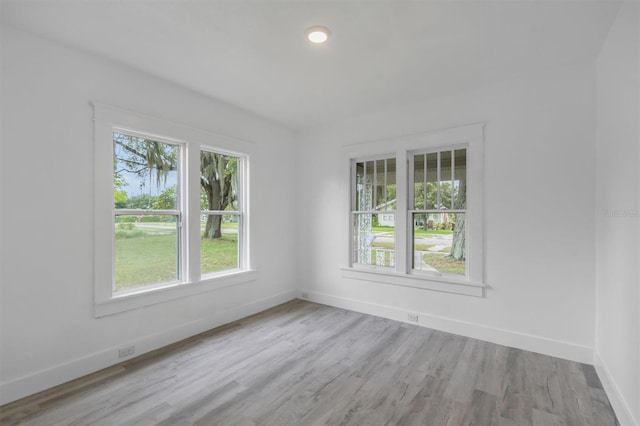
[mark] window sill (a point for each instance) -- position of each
(148, 297)
(433, 282)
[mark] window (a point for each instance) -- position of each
(221, 210)
(416, 214)
(438, 196)
(373, 212)
(148, 205)
(170, 211)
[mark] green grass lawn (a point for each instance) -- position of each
(144, 258)
(420, 231)
(390, 245)
(444, 263)
(219, 254)
(382, 229)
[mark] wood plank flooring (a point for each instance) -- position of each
(304, 364)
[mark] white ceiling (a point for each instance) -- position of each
(253, 53)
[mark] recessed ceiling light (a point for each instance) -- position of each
(317, 34)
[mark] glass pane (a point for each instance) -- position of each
(367, 198)
(145, 173)
(146, 250)
(374, 239)
(360, 193)
(439, 242)
(425, 181)
(380, 202)
(431, 186)
(445, 180)
(419, 186)
(364, 185)
(218, 181)
(460, 180)
(219, 246)
(391, 183)
(385, 184)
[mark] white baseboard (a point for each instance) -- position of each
(529, 342)
(617, 400)
(32, 383)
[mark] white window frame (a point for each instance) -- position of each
(412, 210)
(108, 119)
(243, 260)
(178, 211)
(472, 138)
(355, 211)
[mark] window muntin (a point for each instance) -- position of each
(439, 215)
(147, 218)
(373, 212)
(221, 212)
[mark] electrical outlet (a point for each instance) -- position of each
(128, 351)
(412, 317)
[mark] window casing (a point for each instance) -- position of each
(437, 211)
(160, 231)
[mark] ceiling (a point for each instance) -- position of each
(253, 54)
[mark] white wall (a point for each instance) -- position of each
(49, 333)
(539, 233)
(617, 347)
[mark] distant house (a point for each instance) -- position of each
(386, 219)
(389, 219)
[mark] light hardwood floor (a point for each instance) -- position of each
(302, 363)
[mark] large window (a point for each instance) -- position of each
(416, 214)
(170, 211)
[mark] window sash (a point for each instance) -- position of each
(374, 197)
(240, 243)
(180, 268)
(411, 181)
(411, 212)
(178, 212)
(389, 258)
(413, 251)
(240, 212)
(380, 255)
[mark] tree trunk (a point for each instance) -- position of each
(214, 222)
(459, 231)
(213, 227)
(216, 183)
(457, 247)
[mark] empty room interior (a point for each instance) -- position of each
(320, 212)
